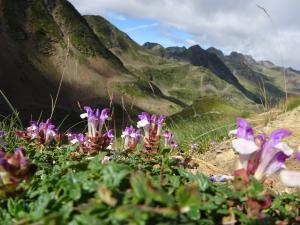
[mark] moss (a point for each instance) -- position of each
(83, 60)
(110, 35)
(186, 95)
(42, 21)
(131, 89)
(14, 14)
(210, 106)
(80, 34)
(166, 75)
(42, 26)
(44, 29)
(293, 102)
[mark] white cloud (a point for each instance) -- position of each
(226, 24)
(144, 26)
(190, 42)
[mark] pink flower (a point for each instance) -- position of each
(261, 156)
(131, 137)
(169, 141)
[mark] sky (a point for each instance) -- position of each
(265, 29)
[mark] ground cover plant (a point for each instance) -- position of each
(51, 177)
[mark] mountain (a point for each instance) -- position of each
(45, 41)
(261, 77)
(173, 79)
(202, 58)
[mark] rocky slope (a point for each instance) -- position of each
(43, 42)
(176, 79)
(200, 57)
(258, 76)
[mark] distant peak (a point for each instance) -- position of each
(215, 51)
(195, 47)
(235, 54)
(266, 63)
(151, 45)
(176, 49)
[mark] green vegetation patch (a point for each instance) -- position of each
(207, 120)
(81, 35)
(14, 14)
(293, 102)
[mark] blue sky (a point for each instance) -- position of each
(149, 30)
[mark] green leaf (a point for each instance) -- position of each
(95, 163)
(138, 183)
(189, 196)
(132, 214)
(113, 174)
(40, 208)
(165, 151)
(203, 182)
(106, 196)
(66, 210)
(194, 213)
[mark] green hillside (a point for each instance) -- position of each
(99, 61)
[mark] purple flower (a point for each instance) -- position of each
(298, 156)
(144, 116)
(144, 122)
(131, 137)
(89, 112)
(33, 130)
(43, 132)
(244, 130)
(103, 117)
(92, 121)
(160, 121)
(2, 154)
(15, 167)
(153, 119)
(277, 164)
(95, 120)
(220, 178)
(273, 154)
(76, 138)
(244, 144)
(258, 155)
(168, 136)
(193, 148)
(145, 119)
(169, 141)
(48, 130)
(110, 135)
(136, 136)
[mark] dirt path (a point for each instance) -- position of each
(221, 158)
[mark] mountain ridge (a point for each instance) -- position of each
(52, 39)
(100, 64)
